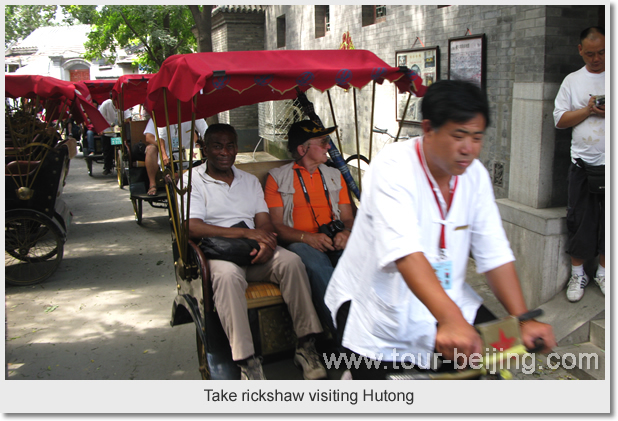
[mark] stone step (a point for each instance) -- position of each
(571, 320)
(597, 333)
(585, 361)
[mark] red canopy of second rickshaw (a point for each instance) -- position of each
(231, 79)
(76, 95)
(132, 88)
(100, 89)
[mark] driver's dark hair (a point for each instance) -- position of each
(591, 30)
(453, 100)
(217, 128)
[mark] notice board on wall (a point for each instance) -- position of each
(466, 59)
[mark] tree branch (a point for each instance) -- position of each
(150, 52)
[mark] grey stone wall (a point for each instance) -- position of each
(523, 44)
(240, 31)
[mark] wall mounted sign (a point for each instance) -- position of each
(426, 63)
(466, 59)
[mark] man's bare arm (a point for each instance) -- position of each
(505, 285)
(573, 118)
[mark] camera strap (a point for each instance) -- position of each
(302, 184)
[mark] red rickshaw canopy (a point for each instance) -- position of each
(57, 91)
(227, 80)
(132, 89)
(100, 89)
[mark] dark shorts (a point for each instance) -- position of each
(585, 217)
(373, 371)
(138, 152)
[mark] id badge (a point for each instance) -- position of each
(174, 142)
(444, 272)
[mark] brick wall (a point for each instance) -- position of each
(234, 31)
(523, 44)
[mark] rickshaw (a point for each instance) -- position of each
(99, 91)
(188, 87)
(130, 91)
(36, 166)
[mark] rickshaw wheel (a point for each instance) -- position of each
(202, 358)
(33, 248)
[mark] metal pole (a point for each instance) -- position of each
(332, 112)
(373, 104)
(360, 186)
(403, 117)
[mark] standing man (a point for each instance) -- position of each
(221, 197)
(578, 106)
(427, 204)
(109, 112)
(310, 208)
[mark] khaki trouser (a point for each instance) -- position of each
(229, 282)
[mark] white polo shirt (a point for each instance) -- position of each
(217, 203)
(399, 216)
(200, 127)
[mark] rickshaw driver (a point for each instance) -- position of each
(152, 151)
(426, 204)
(310, 208)
(222, 196)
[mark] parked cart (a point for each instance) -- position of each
(193, 86)
(36, 166)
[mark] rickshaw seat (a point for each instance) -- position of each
(262, 294)
(14, 168)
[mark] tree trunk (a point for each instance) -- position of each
(203, 34)
(203, 26)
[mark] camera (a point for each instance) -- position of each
(332, 228)
(599, 100)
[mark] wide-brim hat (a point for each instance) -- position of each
(302, 131)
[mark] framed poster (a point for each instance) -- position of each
(426, 63)
(466, 59)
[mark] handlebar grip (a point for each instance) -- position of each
(539, 344)
(530, 315)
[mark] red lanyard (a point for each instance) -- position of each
(452, 191)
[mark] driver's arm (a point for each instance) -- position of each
(505, 285)
(454, 332)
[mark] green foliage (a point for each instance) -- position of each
(21, 20)
(153, 32)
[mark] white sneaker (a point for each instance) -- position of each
(253, 370)
(575, 289)
(309, 360)
(600, 280)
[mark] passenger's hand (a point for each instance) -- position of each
(262, 256)
(268, 238)
(458, 336)
(341, 239)
(319, 241)
(532, 330)
(600, 111)
(166, 161)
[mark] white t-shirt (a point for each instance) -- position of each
(217, 203)
(588, 138)
(108, 111)
(399, 216)
(200, 127)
